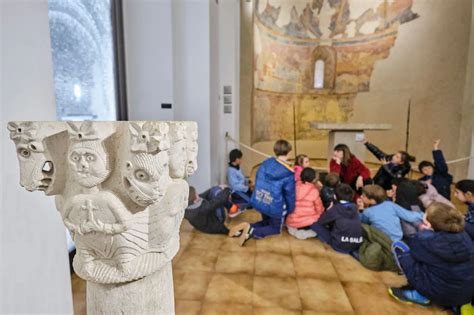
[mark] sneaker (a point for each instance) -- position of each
(246, 234)
(236, 230)
(234, 211)
(300, 233)
(408, 296)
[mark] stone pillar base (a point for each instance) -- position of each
(151, 295)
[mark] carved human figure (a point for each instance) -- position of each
(94, 216)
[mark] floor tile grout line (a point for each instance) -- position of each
(338, 277)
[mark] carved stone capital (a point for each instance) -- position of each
(120, 188)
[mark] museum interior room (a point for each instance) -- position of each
(227, 157)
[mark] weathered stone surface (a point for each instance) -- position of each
(121, 191)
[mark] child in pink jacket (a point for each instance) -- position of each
(301, 162)
(309, 206)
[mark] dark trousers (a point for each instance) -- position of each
(242, 199)
(324, 235)
(267, 226)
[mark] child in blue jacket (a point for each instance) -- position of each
(385, 215)
(465, 193)
(238, 183)
(439, 264)
(273, 197)
(437, 174)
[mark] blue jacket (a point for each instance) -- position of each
(274, 189)
(236, 179)
(440, 179)
(440, 266)
(386, 217)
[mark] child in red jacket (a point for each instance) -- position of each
(309, 206)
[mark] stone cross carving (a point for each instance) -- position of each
(121, 190)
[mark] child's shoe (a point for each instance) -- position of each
(234, 211)
(408, 296)
(236, 230)
(301, 234)
(246, 234)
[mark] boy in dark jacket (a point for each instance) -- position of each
(327, 191)
(439, 263)
(340, 225)
(273, 197)
(393, 165)
(465, 193)
(437, 173)
(206, 211)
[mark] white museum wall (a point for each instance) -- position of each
(34, 269)
(149, 58)
(183, 52)
(191, 64)
(215, 112)
(229, 74)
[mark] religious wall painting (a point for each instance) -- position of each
(344, 37)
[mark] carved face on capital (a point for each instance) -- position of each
(178, 159)
(88, 163)
(146, 177)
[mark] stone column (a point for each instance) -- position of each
(121, 191)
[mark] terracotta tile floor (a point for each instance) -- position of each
(277, 275)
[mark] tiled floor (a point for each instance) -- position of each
(277, 275)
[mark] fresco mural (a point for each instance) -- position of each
(290, 36)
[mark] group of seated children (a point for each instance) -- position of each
(387, 223)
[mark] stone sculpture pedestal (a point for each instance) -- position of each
(150, 295)
(349, 134)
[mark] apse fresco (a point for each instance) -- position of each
(349, 36)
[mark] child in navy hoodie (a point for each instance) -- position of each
(465, 193)
(340, 225)
(437, 174)
(273, 197)
(439, 264)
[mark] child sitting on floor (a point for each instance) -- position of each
(465, 193)
(206, 211)
(238, 183)
(309, 206)
(273, 197)
(301, 162)
(407, 195)
(327, 191)
(385, 215)
(340, 225)
(393, 165)
(437, 174)
(439, 264)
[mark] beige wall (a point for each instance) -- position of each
(427, 65)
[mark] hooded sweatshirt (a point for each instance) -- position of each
(274, 188)
(440, 265)
(309, 206)
(345, 226)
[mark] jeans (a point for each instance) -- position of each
(267, 226)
